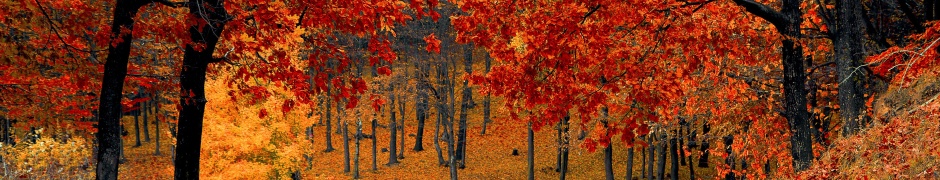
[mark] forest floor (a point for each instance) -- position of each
(234, 148)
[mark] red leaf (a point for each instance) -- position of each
(434, 45)
(384, 70)
(263, 113)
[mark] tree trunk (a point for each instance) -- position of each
(703, 160)
(564, 146)
(345, 132)
(193, 81)
(437, 136)
(728, 140)
(674, 152)
(146, 113)
(393, 129)
(466, 105)
(329, 120)
(691, 167)
(643, 159)
(401, 110)
(609, 150)
(787, 22)
(137, 129)
(156, 120)
(530, 158)
(112, 85)
(608, 162)
(651, 159)
(847, 45)
(421, 114)
(661, 161)
(486, 100)
(357, 137)
(629, 171)
(374, 157)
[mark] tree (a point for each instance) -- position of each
(847, 44)
(787, 21)
(109, 108)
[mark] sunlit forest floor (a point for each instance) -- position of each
(239, 145)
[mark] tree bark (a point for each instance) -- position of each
(466, 105)
(563, 170)
(156, 120)
(629, 171)
(357, 137)
(661, 161)
(787, 21)
(530, 157)
(374, 157)
(345, 132)
(112, 85)
(437, 139)
(401, 110)
(728, 140)
(329, 120)
(651, 159)
(393, 132)
(137, 129)
(609, 150)
(674, 156)
(145, 106)
(421, 114)
(192, 83)
(847, 47)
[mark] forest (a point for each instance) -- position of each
(469, 89)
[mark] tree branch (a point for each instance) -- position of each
(765, 12)
(171, 4)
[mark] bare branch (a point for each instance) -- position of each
(171, 4)
(765, 12)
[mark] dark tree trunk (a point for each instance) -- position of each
(437, 139)
(728, 140)
(421, 114)
(643, 159)
(932, 9)
(563, 170)
(608, 162)
(137, 129)
(674, 156)
(609, 150)
(847, 45)
(530, 158)
(374, 157)
(486, 100)
(156, 120)
(357, 137)
(393, 132)
(329, 120)
(7, 141)
(112, 85)
(345, 132)
(661, 161)
(787, 21)
(401, 110)
(703, 160)
(466, 105)
(145, 111)
(681, 143)
(651, 159)
(558, 140)
(691, 167)
(629, 171)
(193, 81)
